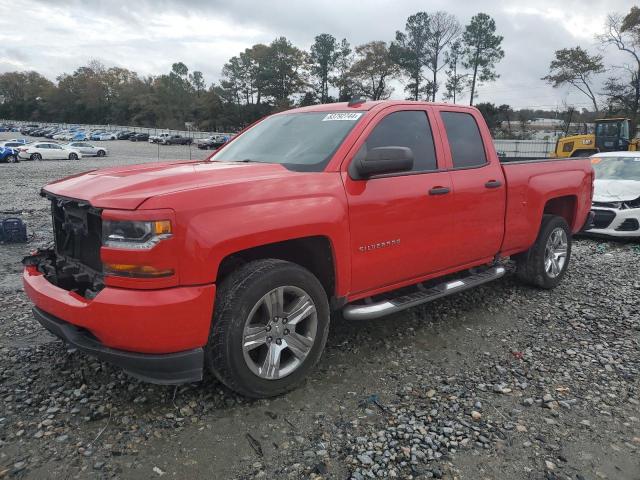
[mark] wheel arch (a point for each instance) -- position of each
(564, 206)
(314, 253)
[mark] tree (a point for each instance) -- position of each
(491, 115)
(410, 52)
(341, 79)
(443, 30)
(574, 66)
(456, 82)
(623, 32)
(372, 70)
(506, 112)
(482, 50)
(283, 74)
(323, 56)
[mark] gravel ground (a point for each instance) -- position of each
(500, 382)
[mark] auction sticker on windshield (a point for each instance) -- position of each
(349, 116)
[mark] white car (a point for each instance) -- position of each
(106, 136)
(616, 197)
(159, 138)
(48, 151)
(87, 150)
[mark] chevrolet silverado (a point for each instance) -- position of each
(237, 263)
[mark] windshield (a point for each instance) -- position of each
(616, 168)
(299, 141)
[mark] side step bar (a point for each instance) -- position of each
(369, 311)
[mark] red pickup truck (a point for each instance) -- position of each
(237, 262)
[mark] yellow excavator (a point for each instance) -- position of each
(611, 135)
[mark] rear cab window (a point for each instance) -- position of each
(465, 141)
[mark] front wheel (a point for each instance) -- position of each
(101, 153)
(36, 156)
(269, 328)
(73, 156)
(546, 262)
(12, 159)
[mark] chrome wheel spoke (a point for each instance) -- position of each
(254, 336)
(274, 301)
(271, 365)
(299, 345)
(556, 251)
(301, 310)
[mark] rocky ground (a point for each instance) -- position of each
(501, 382)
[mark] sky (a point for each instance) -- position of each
(147, 36)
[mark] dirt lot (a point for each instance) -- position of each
(501, 382)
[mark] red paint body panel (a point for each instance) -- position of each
(157, 321)
(384, 233)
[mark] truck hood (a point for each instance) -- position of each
(616, 190)
(128, 187)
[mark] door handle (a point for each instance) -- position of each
(493, 184)
(439, 191)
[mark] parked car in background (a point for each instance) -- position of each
(47, 151)
(27, 128)
(105, 136)
(139, 137)
(60, 135)
(176, 140)
(95, 135)
(87, 149)
(212, 142)
(8, 155)
(124, 135)
(22, 141)
(616, 198)
(159, 138)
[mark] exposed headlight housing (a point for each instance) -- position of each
(135, 235)
(632, 203)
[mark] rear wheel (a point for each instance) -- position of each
(269, 328)
(73, 156)
(101, 153)
(546, 262)
(12, 159)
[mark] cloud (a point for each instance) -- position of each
(148, 36)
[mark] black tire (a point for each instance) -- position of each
(12, 159)
(531, 264)
(73, 156)
(236, 297)
(101, 153)
(36, 156)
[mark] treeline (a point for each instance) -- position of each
(435, 57)
(620, 91)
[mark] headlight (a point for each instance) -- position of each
(134, 235)
(632, 203)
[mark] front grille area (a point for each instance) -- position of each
(629, 225)
(603, 218)
(616, 205)
(77, 230)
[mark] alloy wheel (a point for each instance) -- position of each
(555, 253)
(279, 332)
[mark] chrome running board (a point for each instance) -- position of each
(371, 310)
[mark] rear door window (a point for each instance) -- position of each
(405, 129)
(467, 148)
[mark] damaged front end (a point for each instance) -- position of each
(73, 262)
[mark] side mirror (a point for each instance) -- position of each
(381, 160)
